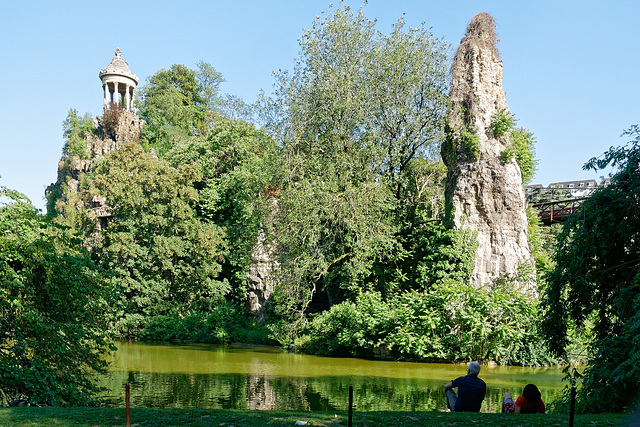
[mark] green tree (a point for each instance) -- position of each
(406, 97)
(358, 89)
(427, 253)
(75, 129)
(357, 109)
(173, 106)
(54, 304)
(234, 108)
(235, 163)
(597, 278)
(163, 256)
(209, 88)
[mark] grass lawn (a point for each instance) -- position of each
(100, 417)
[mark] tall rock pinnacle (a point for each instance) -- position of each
(483, 193)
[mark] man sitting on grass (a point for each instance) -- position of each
(471, 391)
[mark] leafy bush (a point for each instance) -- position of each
(350, 328)
(521, 148)
(471, 142)
(458, 322)
(523, 143)
(225, 324)
(452, 321)
(501, 123)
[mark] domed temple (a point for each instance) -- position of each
(119, 83)
(115, 127)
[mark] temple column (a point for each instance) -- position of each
(106, 94)
(116, 94)
(127, 98)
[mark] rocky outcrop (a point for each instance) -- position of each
(261, 277)
(113, 128)
(484, 192)
(118, 125)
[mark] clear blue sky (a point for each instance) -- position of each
(570, 67)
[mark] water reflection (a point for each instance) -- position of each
(231, 377)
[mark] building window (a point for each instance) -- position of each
(570, 185)
(582, 184)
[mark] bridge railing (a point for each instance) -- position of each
(557, 211)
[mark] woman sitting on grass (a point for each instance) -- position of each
(529, 403)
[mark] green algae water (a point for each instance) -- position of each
(168, 375)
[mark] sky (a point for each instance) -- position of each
(570, 67)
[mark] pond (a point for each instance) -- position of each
(169, 375)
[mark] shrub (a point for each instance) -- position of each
(452, 322)
(501, 123)
(471, 142)
(350, 329)
(522, 146)
(111, 119)
(225, 324)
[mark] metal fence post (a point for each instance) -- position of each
(573, 406)
(127, 395)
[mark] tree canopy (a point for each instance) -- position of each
(54, 309)
(75, 129)
(357, 113)
(164, 258)
(597, 280)
(174, 105)
(235, 163)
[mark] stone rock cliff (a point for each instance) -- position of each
(483, 193)
(263, 272)
(112, 129)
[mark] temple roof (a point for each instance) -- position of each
(118, 66)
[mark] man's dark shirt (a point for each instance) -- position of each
(471, 391)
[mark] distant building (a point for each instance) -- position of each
(605, 181)
(577, 189)
(532, 188)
